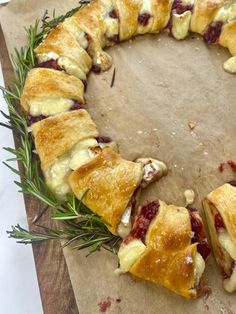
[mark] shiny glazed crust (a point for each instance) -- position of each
(61, 42)
(169, 248)
(48, 83)
(203, 14)
(56, 135)
(110, 182)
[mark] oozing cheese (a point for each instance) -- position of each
(226, 13)
(230, 283)
(146, 7)
(50, 106)
(153, 170)
(180, 24)
(189, 197)
(112, 26)
(124, 227)
(71, 67)
(227, 243)
(199, 268)
(56, 174)
(230, 65)
(77, 32)
(66, 63)
(129, 253)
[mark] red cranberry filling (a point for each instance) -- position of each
(77, 105)
(32, 119)
(143, 19)
(114, 38)
(179, 8)
(219, 223)
(96, 69)
(142, 221)
(213, 32)
(103, 139)
(233, 182)
(232, 165)
(51, 64)
(113, 14)
(199, 236)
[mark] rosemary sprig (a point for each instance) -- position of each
(78, 225)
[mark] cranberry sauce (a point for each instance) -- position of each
(77, 105)
(114, 14)
(219, 223)
(51, 64)
(233, 183)
(32, 119)
(143, 221)
(178, 7)
(199, 235)
(213, 32)
(96, 69)
(114, 38)
(144, 18)
(103, 139)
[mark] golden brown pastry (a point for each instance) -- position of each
(48, 92)
(128, 12)
(62, 47)
(63, 143)
(220, 209)
(203, 14)
(110, 182)
(167, 246)
(91, 26)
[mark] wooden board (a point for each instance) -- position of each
(55, 286)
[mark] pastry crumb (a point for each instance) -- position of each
(192, 125)
(189, 195)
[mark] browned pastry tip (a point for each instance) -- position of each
(44, 83)
(56, 135)
(110, 182)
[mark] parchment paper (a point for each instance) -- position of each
(160, 86)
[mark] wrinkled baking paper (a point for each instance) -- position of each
(161, 85)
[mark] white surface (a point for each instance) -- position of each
(4, 1)
(19, 292)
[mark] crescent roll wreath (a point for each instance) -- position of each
(88, 183)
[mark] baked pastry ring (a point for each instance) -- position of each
(63, 143)
(167, 246)
(220, 209)
(48, 92)
(62, 47)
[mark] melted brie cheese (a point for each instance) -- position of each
(146, 7)
(129, 253)
(227, 243)
(50, 106)
(71, 67)
(189, 197)
(43, 57)
(180, 24)
(56, 174)
(112, 26)
(230, 65)
(226, 13)
(124, 227)
(81, 153)
(199, 268)
(230, 283)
